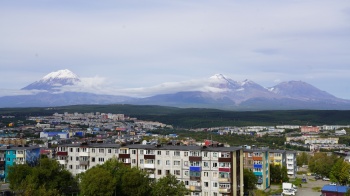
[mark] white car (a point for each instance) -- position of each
(333, 184)
(288, 192)
(325, 179)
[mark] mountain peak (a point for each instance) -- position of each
(54, 80)
(64, 73)
(218, 77)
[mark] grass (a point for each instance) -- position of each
(317, 189)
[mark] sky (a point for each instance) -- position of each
(144, 45)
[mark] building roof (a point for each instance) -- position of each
(337, 189)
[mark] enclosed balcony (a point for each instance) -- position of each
(195, 188)
(224, 190)
(84, 162)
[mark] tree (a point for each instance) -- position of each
(48, 177)
(95, 178)
(169, 186)
(340, 172)
(302, 159)
(278, 174)
(321, 163)
(249, 180)
(136, 183)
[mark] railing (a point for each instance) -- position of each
(195, 188)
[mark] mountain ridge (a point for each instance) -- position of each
(223, 93)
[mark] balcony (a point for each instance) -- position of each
(224, 190)
(195, 178)
(224, 180)
(191, 158)
(146, 156)
(124, 156)
(195, 188)
(84, 154)
(62, 154)
(62, 162)
(151, 175)
(257, 166)
(195, 168)
(258, 173)
(260, 181)
(81, 162)
(257, 158)
(149, 165)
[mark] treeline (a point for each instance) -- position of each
(197, 117)
(111, 178)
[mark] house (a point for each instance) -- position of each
(334, 190)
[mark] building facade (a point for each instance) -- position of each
(257, 160)
(204, 170)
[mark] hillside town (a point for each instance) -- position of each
(80, 141)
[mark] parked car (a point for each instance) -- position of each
(288, 192)
(318, 177)
(325, 179)
(333, 184)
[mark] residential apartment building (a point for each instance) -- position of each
(204, 170)
(257, 160)
(284, 158)
(309, 129)
(10, 155)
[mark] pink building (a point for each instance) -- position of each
(309, 129)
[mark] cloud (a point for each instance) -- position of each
(13, 92)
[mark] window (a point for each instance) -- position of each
(206, 184)
(206, 174)
(177, 172)
(186, 154)
(93, 159)
(205, 154)
(185, 163)
(141, 161)
(186, 173)
(215, 194)
(149, 151)
(159, 162)
(70, 149)
(215, 154)
(70, 166)
(133, 152)
(101, 159)
(141, 151)
(250, 154)
(159, 172)
(167, 162)
(77, 150)
(109, 151)
(186, 183)
(167, 152)
(159, 152)
(195, 163)
(133, 161)
(177, 153)
(93, 150)
(149, 161)
(215, 164)
(167, 172)
(225, 155)
(101, 150)
(205, 164)
(84, 149)
(194, 153)
(123, 151)
(177, 163)
(215, 174)
(224, 164)
(77, 158)
(77, 167)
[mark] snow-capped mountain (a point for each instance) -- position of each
(54, 80)
(218, 91)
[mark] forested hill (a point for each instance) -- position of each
(199, 118)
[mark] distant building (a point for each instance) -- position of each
(309, 129)
(340, 132)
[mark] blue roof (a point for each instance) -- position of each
(332, 188)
